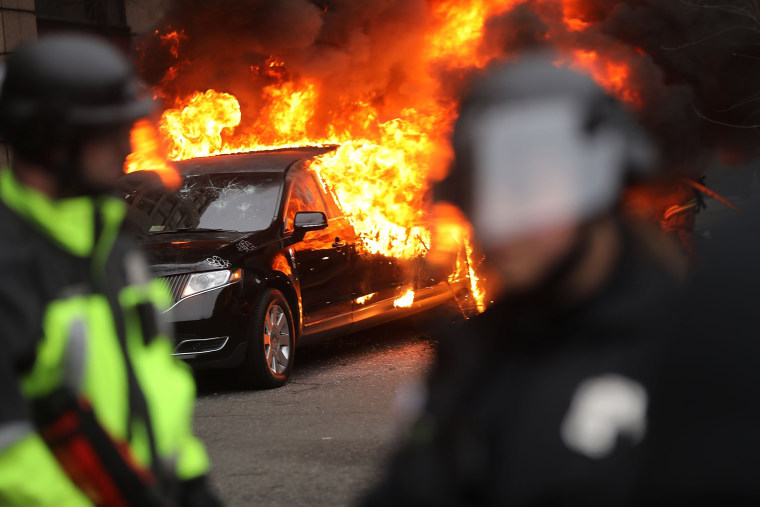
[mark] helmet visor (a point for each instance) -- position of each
(535, 167)
(111, 115)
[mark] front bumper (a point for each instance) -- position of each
(210, 327)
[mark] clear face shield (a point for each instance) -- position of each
(535, 168)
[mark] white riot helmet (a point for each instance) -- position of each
(537, 145)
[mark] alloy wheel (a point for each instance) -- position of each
(277, 342)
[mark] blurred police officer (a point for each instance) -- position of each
(93, 408)
(542, 399)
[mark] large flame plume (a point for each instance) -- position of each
(381, 80)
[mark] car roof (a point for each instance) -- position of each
(272, 161)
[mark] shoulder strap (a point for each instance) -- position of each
(138, 405)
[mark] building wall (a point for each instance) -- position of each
(104, 18)
(18, 22)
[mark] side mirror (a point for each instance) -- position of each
(306, 221)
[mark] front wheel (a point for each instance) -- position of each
(271, 343)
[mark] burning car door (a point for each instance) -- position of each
(374, 277)
(323, 260)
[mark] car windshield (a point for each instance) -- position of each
(240, 202)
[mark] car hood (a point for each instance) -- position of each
(184, 252)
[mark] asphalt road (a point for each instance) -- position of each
(323, 438)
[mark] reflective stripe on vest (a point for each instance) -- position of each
(13, 432)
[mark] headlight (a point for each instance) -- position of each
(199, 282)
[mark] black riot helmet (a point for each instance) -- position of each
(537, 144)
(58, 91)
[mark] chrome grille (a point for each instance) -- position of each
(175, 284)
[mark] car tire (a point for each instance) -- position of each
(271, 344)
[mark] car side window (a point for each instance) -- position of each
(305, 196)
(333, 208)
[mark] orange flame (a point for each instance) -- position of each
(477, 293)
(363, 299)
(453, 237)
(289, 108)
(380, 184)
(612, 76)
(385, 161)
(458, 33)
(195, 129)
(172, 41)
(405, 301)
(573, 15)
(146, 154)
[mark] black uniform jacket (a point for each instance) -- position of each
(535, 403)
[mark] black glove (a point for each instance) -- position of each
(198, 492)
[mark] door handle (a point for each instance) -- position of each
(339, 243)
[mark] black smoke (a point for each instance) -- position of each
(360, 52)
(695, 64)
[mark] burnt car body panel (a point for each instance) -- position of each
(321, 273)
